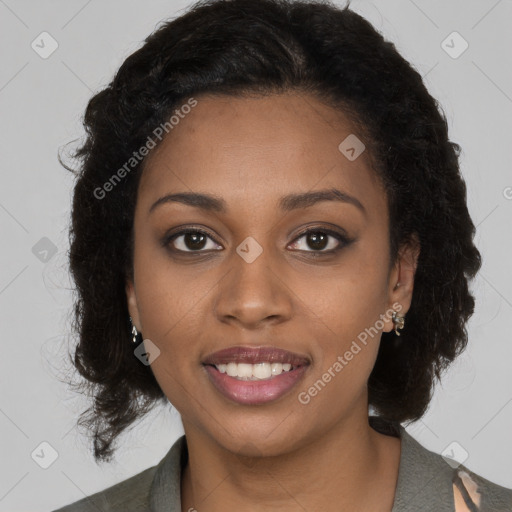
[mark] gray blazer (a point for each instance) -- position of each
(425, 483)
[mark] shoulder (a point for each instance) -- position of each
(470, 488)
(430, 481)
(157, 487)
(130, 495)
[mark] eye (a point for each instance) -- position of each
(190, 240)
(321, 240)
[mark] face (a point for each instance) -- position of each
(273, 268)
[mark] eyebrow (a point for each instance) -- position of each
(287, 203)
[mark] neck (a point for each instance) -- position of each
(351, 467)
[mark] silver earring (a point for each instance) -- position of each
(136, 335)
(398, 322)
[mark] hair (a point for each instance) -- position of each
(239, 48)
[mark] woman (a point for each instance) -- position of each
(270, 231)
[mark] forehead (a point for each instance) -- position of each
(258, 148)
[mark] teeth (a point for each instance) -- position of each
(258, 371)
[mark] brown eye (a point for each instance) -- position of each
(190, 240)
(317, 240)
(321, 241)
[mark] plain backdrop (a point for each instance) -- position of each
(41, 104)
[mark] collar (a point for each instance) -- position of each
(424, 479)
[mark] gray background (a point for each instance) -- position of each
(41, 103)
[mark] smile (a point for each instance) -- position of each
(253, 376)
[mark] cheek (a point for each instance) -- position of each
(350, 297)
(347, 333)
(346, 307)
(168, 295)
(169, 311)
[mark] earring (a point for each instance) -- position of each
(136, 335)
(398, 322)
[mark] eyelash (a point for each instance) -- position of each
(342, 239)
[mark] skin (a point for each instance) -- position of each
(281, 455)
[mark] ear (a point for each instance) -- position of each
(131, 297)
(401, 279)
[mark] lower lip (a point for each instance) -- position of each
(254, 392)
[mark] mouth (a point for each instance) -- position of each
(251, 376)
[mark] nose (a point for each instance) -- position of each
(253, 294)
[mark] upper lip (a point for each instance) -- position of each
(253, 355)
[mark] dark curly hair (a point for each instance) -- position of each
(244, 47)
